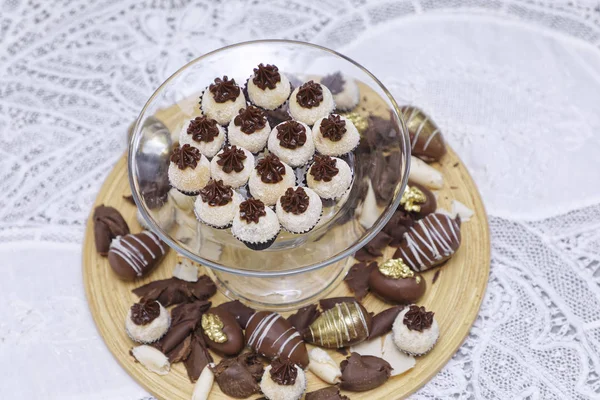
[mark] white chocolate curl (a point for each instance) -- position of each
(322, 365)
(424, 174)
(186, 271)
(152, 359)
(204, 384)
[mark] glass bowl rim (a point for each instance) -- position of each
(374, 230)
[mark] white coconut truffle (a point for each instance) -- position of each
(183, 174)
(222, 112)
(292, 142)
(414, 342)
(268, 88)
(205, 134)
(267, 169)
(152, 359)
(150, 332)
(250, 129)
(260, 230)
(274, 391)
(344, 89)
(231, 159)
(335, 135)
(217, 216)
(297, 220)
(307, 94)
(322, 178)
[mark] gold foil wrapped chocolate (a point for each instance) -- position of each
(412, 198)
(426, 139)
(358, 120)
(343, 325)
(397, 269)
(213, 328)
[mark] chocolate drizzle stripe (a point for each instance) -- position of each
(280, 336)
(262, 329)
(434, 242)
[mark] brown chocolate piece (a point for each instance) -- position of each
(302, 319)
(224, 90)
(231, 159)
(382, 322)
(251, 210)
(135, 255)
(184, 320)
(283, 372)
(108, 224)
(186, 156)
(129, 199)
(363, 255)
(198, 358)
(381, 133)
(418, 201)
(327, 304)
(156, 194)
(345, 324)
(203, 129)
(227, 326)
(291, 134)
(144, 312)
(271, 335)
(238, 377)
(334, 82)
(333, 128)
(327, 393)
(173, 291)
(362, 373)
(181, 351)
(266, 76)
(216, 193)
(406, 289)
(357, 279)
(295, 201)
(384, 176)
(430, 242)
(418, 318)
(250, 119)
(240, 311)
(378, 244)
(398, 225)
(324, 168)
(309, 95)
(426, 139)
(270, 168)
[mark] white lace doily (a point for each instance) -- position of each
(514, 84)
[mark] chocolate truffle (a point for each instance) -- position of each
(255, 225)
(222, 100)
(233, 165)
(217, 204)
(238, 377)
(430, 242)
(270, 179)
(394, 281)
(108, 224)
(310, 102)
(329, 177)
(415, 331)
(203, 133)
(268, 87)
(362, 373)
(135, 255)
(147, 321)
(221, 332)
(343, 325)
(189, 170)
(335, 135)
(328, 393)
(250, 129)
(173, 291)
(292, 142)
(344, 90)
(272, 336)
(418, 200)
(427, 142)
(299, 209)
(283, 380)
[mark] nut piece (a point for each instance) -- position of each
(186, 271)
(152, 359)
(204, 384)
(323, 366)
(424, 174)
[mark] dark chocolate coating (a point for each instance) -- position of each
(136, 255)
(398, 225)
(362, 373)
(108, 224)
(184, 320)
(378, 244)
(240, 311)
(382, 322)
(425, 137)
(198, 358)
(173, 291)
(357, 279)
(401, 290)
(327, 393)
(231, 329)
(302, 319)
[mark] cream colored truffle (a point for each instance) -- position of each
(310, 115)
(346, 144)
(269, 99)
(209, 149)
(411, 342)
(300, 223)
(338, 184)
(269, 193)
(293, 157)
(151, 332)
(253, 142)
(233, 179)
(265, 230)
(221, 112)
(275, 391)
(217, 216)
(190, 180)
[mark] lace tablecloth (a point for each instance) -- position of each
(515, 86)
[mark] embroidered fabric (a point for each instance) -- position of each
(514, 85)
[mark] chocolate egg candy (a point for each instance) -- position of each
(272, 336)
(108, 224)
(135, 255)
(362, 373)
(221, 332)
(418, 200)
(396, 282)
(426, 140)
(344, 324)
(430, 242)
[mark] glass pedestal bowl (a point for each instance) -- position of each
(296, 269)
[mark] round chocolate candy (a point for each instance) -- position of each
(221, 332)
(395, 282)
(135, 255)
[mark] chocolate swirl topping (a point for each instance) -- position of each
(270, 169)
(145, 312)
(216, 193)
(185, 156)
(334, 82)
(295, 201)
(250, 119)
(231, 159)
(251, 210)
(333, 127)
(418, 319)
(224, 89)
(309, 95)
(283, 372)
(324, 168)
(291, 134)
(203, 129)
(266, 76)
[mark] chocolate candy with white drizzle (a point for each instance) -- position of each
(426, 139)
(135, 255)
(345, 324)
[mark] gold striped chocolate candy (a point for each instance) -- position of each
(343, 325)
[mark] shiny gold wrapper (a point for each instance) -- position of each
(213, 328)
(412, 198)
(397, 269)
(345, 324)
